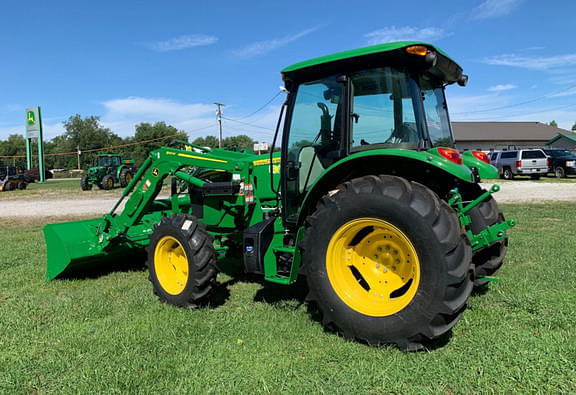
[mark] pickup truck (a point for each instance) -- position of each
(523, 162)
(561, 162)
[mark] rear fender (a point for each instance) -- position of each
(485, 170)
(437, 173)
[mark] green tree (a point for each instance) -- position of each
(14, 145)
(238, 143)
(553, 124)
(84, 134)
(574, 127)
(146, 131)
(208, 141)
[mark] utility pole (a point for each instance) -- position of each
(79, 153)
(219, 118)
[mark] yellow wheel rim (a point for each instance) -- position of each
(373, 267)
(110, 182)
(171, 265)
(128, 178)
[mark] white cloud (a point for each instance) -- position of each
(532, 62)
(495, 8)
(182, 42)
(500, 88)
(262, 47)
(406, 33)
(122, 115)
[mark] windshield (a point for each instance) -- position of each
(103, 161)
(437, 117)
(384, 110)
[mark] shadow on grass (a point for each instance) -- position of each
(95, 269)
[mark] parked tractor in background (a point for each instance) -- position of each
(109, 170)
(390, 227)
(12, 178)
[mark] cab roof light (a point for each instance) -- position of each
(419, 50)
(450, 154)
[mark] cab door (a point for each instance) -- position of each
(312, 141)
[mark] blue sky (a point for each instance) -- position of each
(129, 61)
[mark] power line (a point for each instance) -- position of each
(248, 124)
(262, 107)
(111, 147)
(541, 111)
(516, 104)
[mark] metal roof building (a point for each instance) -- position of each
(563, 140)
(487, 136)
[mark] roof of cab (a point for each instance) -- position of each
(355, 53)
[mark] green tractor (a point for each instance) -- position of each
(366, 200)
(108, 170)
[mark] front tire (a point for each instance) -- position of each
(386, 262)
(182, 261)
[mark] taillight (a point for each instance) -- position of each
(547, 162)
(450, 154)
(482, 156)
(518, 163)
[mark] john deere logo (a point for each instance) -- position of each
(30, 118)
(155, 172)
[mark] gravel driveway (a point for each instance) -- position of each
(514, 191)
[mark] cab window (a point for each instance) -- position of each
(382, 113)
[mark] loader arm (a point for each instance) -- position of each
(75, 244)
(147, 183)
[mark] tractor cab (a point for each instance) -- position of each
(388, 96)
(107, 161)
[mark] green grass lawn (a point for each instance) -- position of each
(110, 333)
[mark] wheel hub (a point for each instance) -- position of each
(373, 266)
(171, 265)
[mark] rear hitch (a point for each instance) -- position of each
(489, 235)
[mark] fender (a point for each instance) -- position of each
(425, 167)
(485, 170)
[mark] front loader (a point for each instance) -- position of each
(366, 199)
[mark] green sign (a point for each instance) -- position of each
(32, 124)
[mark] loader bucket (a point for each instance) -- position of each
(73, 245)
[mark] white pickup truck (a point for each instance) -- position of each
(523, 162)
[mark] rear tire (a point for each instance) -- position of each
(84, 184)
(535, 176)
(352, 294)
(107, 182)
(125, 177)
(559, 172)
(182, 261)
(488, 260)
(507, 174)
(22, 185)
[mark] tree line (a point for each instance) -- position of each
(88, 133)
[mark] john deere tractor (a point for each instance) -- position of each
(367, 201)
(107, 171)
